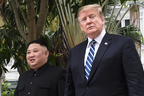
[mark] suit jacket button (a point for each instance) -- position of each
(29, 93)
(30, 82)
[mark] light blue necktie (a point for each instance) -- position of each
(89, 60)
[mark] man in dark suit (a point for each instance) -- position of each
(105, 64)
(42, 79)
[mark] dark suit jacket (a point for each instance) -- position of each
(48, 81)
(116, 69)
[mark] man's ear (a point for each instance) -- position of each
(103, 19)
(47, 53)
(80, 23)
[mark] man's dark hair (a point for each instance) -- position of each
(42, 42)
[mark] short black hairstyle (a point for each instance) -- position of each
(38, 41)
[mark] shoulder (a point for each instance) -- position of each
(120, 38)
(55, 72)
(122, 41)
(26, 74)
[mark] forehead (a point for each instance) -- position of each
(33, 46)
(88, 12)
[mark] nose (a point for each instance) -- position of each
(31, 55)
(88, 20)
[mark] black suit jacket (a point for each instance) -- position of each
(48, 81)
(116, 69)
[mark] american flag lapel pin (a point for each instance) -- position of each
(105, 43)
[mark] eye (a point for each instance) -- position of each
(83, 20)
(92, 16)
(35, 51)
(28, 52)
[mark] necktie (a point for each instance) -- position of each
(89, 60)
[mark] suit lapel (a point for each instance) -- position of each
(81, 61)
(101, 50)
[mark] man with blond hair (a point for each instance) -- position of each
(104, 64)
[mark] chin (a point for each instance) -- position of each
(91, 32)
(32, 65)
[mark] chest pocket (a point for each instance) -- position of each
(44, 89)
(21, 87)
(21, 90)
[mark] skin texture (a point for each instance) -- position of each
(36, 55)
(91, 23)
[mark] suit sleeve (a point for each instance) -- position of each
(133, 69)
(61, 83)
(69, 88)
(16, 92)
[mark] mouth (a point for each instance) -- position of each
(89, 28)
(32, 60)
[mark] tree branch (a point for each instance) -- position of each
(19, 26)
(42, 17)
(22, 12)
(31, 20)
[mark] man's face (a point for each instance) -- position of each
(91, 23)
(36, 55)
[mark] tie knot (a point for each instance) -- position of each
(93, 42)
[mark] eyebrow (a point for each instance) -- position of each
(88, 15)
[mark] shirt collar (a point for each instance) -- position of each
(40, 70)
(97, 39)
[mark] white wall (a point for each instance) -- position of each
(12, 75)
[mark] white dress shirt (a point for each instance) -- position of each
(98, 41)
